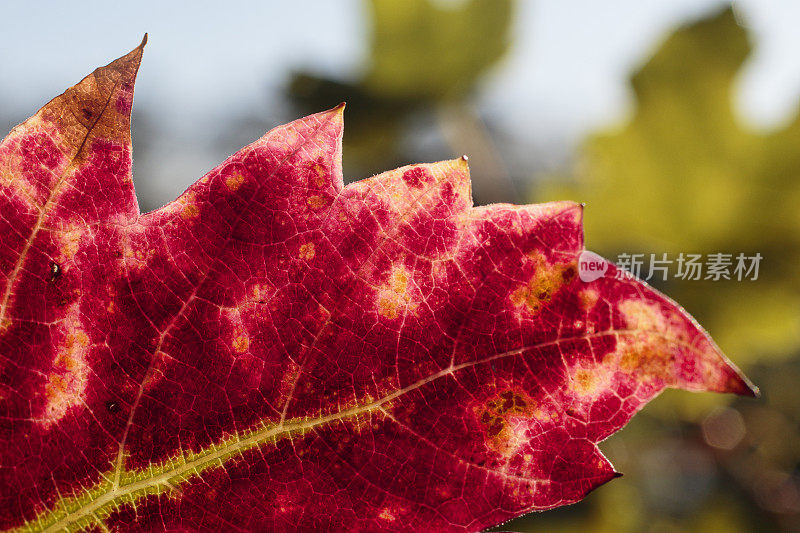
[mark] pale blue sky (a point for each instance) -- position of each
(566, 74)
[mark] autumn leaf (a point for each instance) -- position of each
(274, 350)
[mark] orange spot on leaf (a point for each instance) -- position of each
(502, 420)
(316, 202)
(307, 251)
(395, 294)
(241, 343)
(588, 298)
(189, 211)
(234, 181)
(545, 282)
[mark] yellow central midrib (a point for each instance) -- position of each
(265, 434)
(246, 443)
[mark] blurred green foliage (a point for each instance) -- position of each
(425, 59)
(684, 174)
(427, 51)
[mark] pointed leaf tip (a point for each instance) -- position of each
(333, 116)
(337, 113)
(97, 108)
(742, 386)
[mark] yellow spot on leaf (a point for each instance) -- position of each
(241, 343)
(503, 420)
(546, 281)
(584, 382)
(321, 173)
(589, 382)
(316, 202)
(588, 298)
(643, 315)
(638, 356)
(234, 181)
(307, 251)
(66, 383)
(388, 307)
(189, 211)
(395, 294)
(260, 292)
(70, 242)
(56, 388)
(387, 514)
(111, 306)
(651, 351)
(289, 378)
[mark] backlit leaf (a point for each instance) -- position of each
(275, 351)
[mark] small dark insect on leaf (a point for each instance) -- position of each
(55, 271)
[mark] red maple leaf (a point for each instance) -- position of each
(274, 350)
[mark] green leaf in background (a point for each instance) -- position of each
(425, 61)
(424, 50)
(686, 174)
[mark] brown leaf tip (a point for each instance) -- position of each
(744, 387)
(98, 107)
